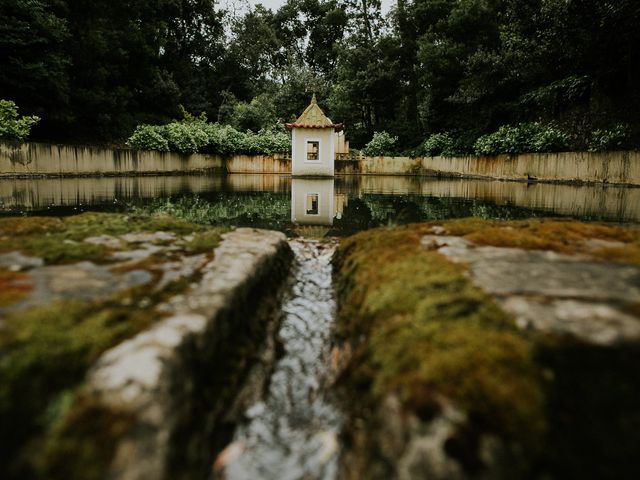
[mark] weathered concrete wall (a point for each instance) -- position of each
(609, 167)
(67, 160)
(257, 164)
(390, 165)
(38, 159)
(619, 168)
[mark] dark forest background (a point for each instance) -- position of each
(94, 69)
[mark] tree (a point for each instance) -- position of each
(33, 62)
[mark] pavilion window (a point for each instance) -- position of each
(312, 206)
(313, 150)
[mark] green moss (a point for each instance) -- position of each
(203, 242)
(540, 234)
(21, 226)
(48, 349)
(61, 240)
(86, 225)
(57, 249)
(14, 287)
(418, 328)
(82, 445)
(629, 253)
(426, 332)
(45, 351)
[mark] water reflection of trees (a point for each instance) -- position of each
(273, 210)
(372, 211)
(258, 210)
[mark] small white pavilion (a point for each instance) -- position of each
(313, 143)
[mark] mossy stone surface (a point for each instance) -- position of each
(420, 330)
(564, 236)
(60, 240)
(46, 346)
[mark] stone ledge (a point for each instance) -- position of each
(152, 376)
(573, 295)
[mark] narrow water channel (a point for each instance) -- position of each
(291, 433)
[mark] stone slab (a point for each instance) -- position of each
(566, 294)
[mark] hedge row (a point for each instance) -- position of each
(533, 137)
(203, 137)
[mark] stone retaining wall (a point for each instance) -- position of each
(619, 168)
(38, 159)
(174, 378)
(609, 167)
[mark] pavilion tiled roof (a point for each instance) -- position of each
(314, 117)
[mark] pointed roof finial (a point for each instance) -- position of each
(313, 117)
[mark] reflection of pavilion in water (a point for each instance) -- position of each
(604, 202)
(314, 202)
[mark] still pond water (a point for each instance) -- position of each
(337, 206)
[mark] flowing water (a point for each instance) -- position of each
(292, 432)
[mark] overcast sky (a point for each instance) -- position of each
(274, 4)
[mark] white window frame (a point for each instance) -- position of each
(306, 150)
(306, 204)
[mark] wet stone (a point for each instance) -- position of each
(16, 261)
(106, 241)
(149, 374)
(148, 237)
(535, 273)
(81, 281)
(185, 267)
(138, 254)
(565, 294)
(597, 323)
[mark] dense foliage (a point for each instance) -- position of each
(381, 144)
(95, 70)
(12, 125)
(200, 136)
(609, 139)
(438, 144)
(525, 137)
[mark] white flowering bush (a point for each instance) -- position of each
(522, 138)
(438, 144)
(382, 143)
(148, 137)
(199, 136)
(185, 137)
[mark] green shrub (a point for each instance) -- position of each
(148, 137)
(223, 139)
(266, 141)
(610, 139)
(382, 143)
(186, 137)
(438, 144)
(13, 126)
(196, 135)
(522, 138)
